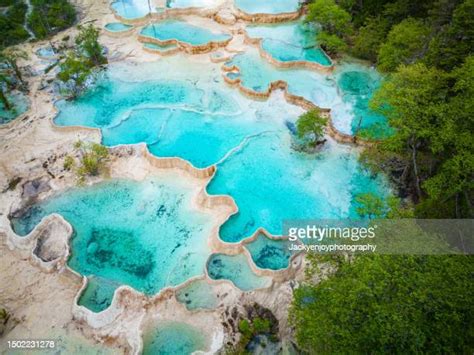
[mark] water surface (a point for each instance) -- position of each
(182, 32)
(143, 234)
(272, 7)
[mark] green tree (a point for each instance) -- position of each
(311, 125)
(454, 39)
(74, 69)
(332, 43)
(451, 186)
(413, 102)
(370, 205)
(4, 84)
(12, 19)
(87, 42)
(405, 44)
(50, 16)
(432, 115)
(335, 23)
(370, 37)
(389, 304)
(10, 57)
(333, 19)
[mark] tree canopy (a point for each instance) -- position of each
(311, 124)
(389, 304)
(50, 16)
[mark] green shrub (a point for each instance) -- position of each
(68, 162)
(92, 161)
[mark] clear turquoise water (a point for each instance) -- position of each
(236, 269)
(347, 92)
(289, 42)
(249, 140)
(270, 182)
(357, 84)
(233, 75)
(159, 47)
(98, 294)
(180, 4)
(117, 27)
(257, 74)
(266, 6)
(183, 32)
(131, 9)
(197, 295)
(173, 338)
(19, 104)
(270, 253)
(142, 234)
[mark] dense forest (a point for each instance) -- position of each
(403, 303)
(46, 17)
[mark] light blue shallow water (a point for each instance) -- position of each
(236, 269)
(159, 47)
(142, 234)
(267, 7)
(206, 122)
(182, 32)
(346, 92)
(181, 4)
(173, 338)
(270, 183)
(117, 27)
(257, 74)
(289, 42)
(270, 253)
(131, 9)
(198, 294)
(357, 83)
(46, 52)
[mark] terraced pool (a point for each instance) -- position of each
(180, 106)
(182, 32)
(267, 7)
(171, 338)
(143, 234)
(117, 27)
(290, 42)
(248, 140)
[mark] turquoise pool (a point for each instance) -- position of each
(131, 9)
(173, 338)
(117, 27)
(357, 84)
(182, 32)
(142, 234)
(289, 42)
(198, 294)
(346, 92)
(267, 7)
(159, 47)
(236, 269)
(181, 4)
(270, 253)
(249, 141)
